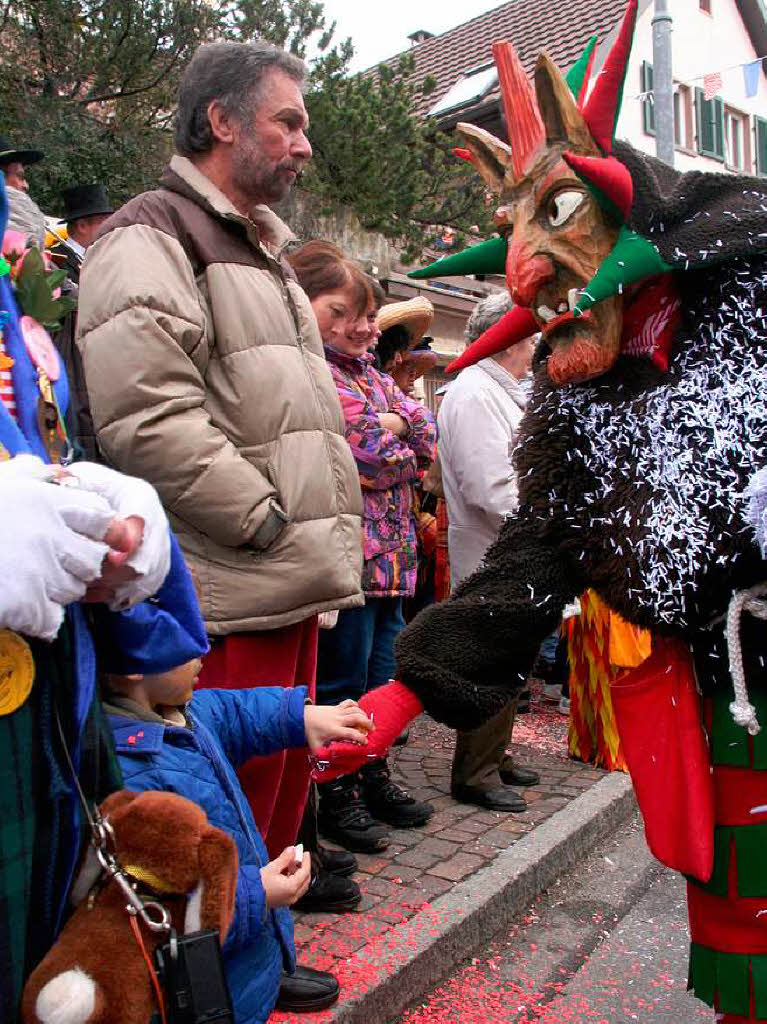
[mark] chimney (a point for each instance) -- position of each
(420, 36)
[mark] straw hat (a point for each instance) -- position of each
(420, 357)
(415, 316)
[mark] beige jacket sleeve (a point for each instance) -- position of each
(142, 335)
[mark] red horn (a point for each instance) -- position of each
(609, 177)
(518, 324)
(520, 105)
(604, 104)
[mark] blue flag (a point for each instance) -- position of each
(751, 77)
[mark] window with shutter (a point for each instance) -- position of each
(648, 105)
(709, 117)
(760, 129)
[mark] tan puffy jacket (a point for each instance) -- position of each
(207, 377)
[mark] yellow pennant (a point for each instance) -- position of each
(17, 671)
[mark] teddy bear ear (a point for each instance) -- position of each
(211, 905)
(117, 802)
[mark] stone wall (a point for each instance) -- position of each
(310, 217)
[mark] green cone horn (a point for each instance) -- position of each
(632, 259)
(579, 74)
(486, 258)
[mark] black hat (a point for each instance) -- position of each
(9, 155)
(85, 201)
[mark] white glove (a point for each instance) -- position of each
(25, 467)
(51, 549)
(328, 620)
(129, 496)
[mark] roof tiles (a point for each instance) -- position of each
(561, 28)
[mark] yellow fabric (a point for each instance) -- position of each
(148, 878)
(601, 646)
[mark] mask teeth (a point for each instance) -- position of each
(520, 105)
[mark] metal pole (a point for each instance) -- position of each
(663, 83)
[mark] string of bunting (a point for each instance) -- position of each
(712, 80)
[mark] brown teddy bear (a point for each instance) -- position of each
(96, 971)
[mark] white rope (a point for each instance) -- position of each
(742, 711)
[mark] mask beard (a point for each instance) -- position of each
(580, 360)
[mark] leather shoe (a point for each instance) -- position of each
(500, 798)
(337, 862)
(517, 776)
(306, 991)
(329, 894)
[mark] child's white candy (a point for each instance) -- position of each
(298, 853)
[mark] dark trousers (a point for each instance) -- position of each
(481, 754)
(358, 654)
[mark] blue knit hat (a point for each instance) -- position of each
(159, 634)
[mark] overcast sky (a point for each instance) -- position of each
(380, 29)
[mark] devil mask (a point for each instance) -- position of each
(564, 205)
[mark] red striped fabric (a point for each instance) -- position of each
(6, 383)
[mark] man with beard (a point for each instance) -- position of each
(206, 375)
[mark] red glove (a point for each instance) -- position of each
(391, 708)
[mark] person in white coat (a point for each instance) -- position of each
(478, 426)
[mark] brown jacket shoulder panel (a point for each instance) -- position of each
(204, 236)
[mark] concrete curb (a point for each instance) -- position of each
(425, 949)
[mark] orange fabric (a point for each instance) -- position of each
(601, 645)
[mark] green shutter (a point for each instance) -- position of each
(761, 146)
(709, 117)
(648, 105)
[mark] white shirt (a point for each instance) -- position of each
(478, 427)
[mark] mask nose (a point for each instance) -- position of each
(526, 273)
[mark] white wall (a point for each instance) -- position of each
(701, 43)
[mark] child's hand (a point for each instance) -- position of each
(345, 721)
(284, 881)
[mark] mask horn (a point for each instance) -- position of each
(604, 104)
(518, 324)
(520, 105)
(488, 257)
(579, 75)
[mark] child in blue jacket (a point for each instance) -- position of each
(167, 739)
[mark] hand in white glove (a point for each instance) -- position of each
(136, 502)
(53, 546)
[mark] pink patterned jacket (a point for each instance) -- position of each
(388, 465)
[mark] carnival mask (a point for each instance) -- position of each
(563, 206)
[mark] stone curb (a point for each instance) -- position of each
(423, 952)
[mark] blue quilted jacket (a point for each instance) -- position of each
(225, 728)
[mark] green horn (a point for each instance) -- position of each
(578, 75)
(486, 258)
(631, 259)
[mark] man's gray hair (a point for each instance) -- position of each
(488, 311)
(230, 73)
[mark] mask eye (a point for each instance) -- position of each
(562, 206)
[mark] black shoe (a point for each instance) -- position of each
(388, 801)
(517, 776)
(306, 991)
(344, 818)
(337, 862)
(499, 798)
(329, 894)
(523, 707)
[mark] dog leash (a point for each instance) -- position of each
(152, 914)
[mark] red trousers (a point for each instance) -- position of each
(276, 786)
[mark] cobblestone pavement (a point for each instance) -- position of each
(422, 864)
